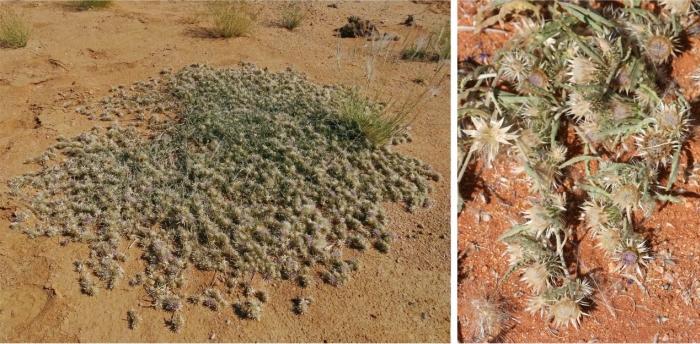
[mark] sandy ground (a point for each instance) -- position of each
(621, 311)
(401, 296)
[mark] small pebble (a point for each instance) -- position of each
(212, 336)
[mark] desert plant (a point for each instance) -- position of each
(434, 47)
(487, 319)
(218, 187)
(369, 121)
(85, 5)
(232, 18)
(14, 31)
(605, 84)
(291, 14)
(133, 319)
(301, 304)
(249, 309)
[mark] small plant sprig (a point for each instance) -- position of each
(607, 83)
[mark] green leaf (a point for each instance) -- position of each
(674, 168)
(669, 198)
(594, 190)
(578, 11)
(578, 159)
(627, 129)
(513, 231)
(590, 52)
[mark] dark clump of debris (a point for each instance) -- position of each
(357, 27)
(408, 21)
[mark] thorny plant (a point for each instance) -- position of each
(603, 75)
(240, 171)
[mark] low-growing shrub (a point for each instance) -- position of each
(598, 75)
(242, 171)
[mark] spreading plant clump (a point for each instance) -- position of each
(241, 171)
(585, 89)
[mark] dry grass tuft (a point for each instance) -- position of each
(14, 31)
(232, 19)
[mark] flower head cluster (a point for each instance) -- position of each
(241, 171)
(602, 76)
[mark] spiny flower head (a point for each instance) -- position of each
(540, 274)
(621, 109)
(584, 107)
(515, 66)
(583, 71)
(546, 218)
(487, 137)
(565, 311)
(623, 78)
(672, 119)
(679, 6)
(661, 45)
(537, 79)
(654, 146)
(631, 254)
(563, 304)
(626, 196)
(598, 215)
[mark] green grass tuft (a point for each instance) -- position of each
(368, 119)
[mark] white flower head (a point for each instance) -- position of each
(487, 137)
(654, 146)
(661, 45)
(672, 119)
(678, 6)
(631, 255)
(565, 311)
(515, 66)
(582, 70)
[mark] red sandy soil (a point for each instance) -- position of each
(621, 311)
(401, 296)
